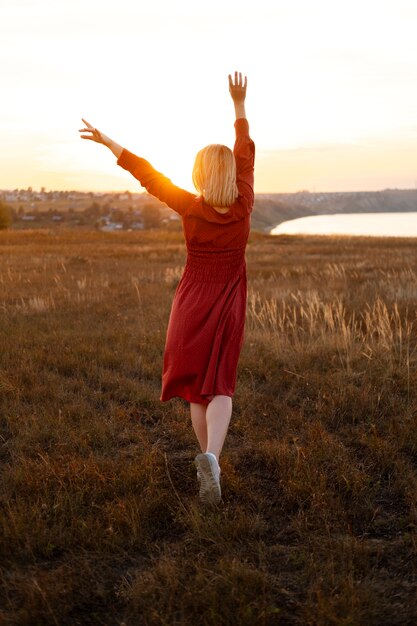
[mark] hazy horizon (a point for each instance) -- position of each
(141, 190)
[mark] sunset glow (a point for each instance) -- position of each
(332, 95)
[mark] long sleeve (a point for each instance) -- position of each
(156, 183)
(244, 151)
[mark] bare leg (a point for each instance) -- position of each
(219, 412)
(198, 419)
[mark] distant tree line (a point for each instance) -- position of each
(5, 216)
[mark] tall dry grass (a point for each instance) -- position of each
(100, 521)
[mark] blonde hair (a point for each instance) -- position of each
(214, 175)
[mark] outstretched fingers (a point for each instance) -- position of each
(95, 134)
(238, 81)
(87, 129)
(237, 88)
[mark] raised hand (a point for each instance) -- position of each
(95, 135)
(98, 137)
(238, 88)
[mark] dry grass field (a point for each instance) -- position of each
(100, 521)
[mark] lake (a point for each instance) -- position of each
(369, 224)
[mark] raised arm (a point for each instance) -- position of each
(154, 182)
(244, 149)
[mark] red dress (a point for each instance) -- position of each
(206, 325)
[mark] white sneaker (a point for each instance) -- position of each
(208, 474)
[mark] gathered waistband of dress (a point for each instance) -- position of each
(215, 266)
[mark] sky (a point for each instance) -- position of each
(331, 97)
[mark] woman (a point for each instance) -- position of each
(206, 326)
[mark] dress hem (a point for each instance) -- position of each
(198, 400)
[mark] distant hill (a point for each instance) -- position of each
(272, 209)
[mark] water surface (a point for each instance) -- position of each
(369, 224)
